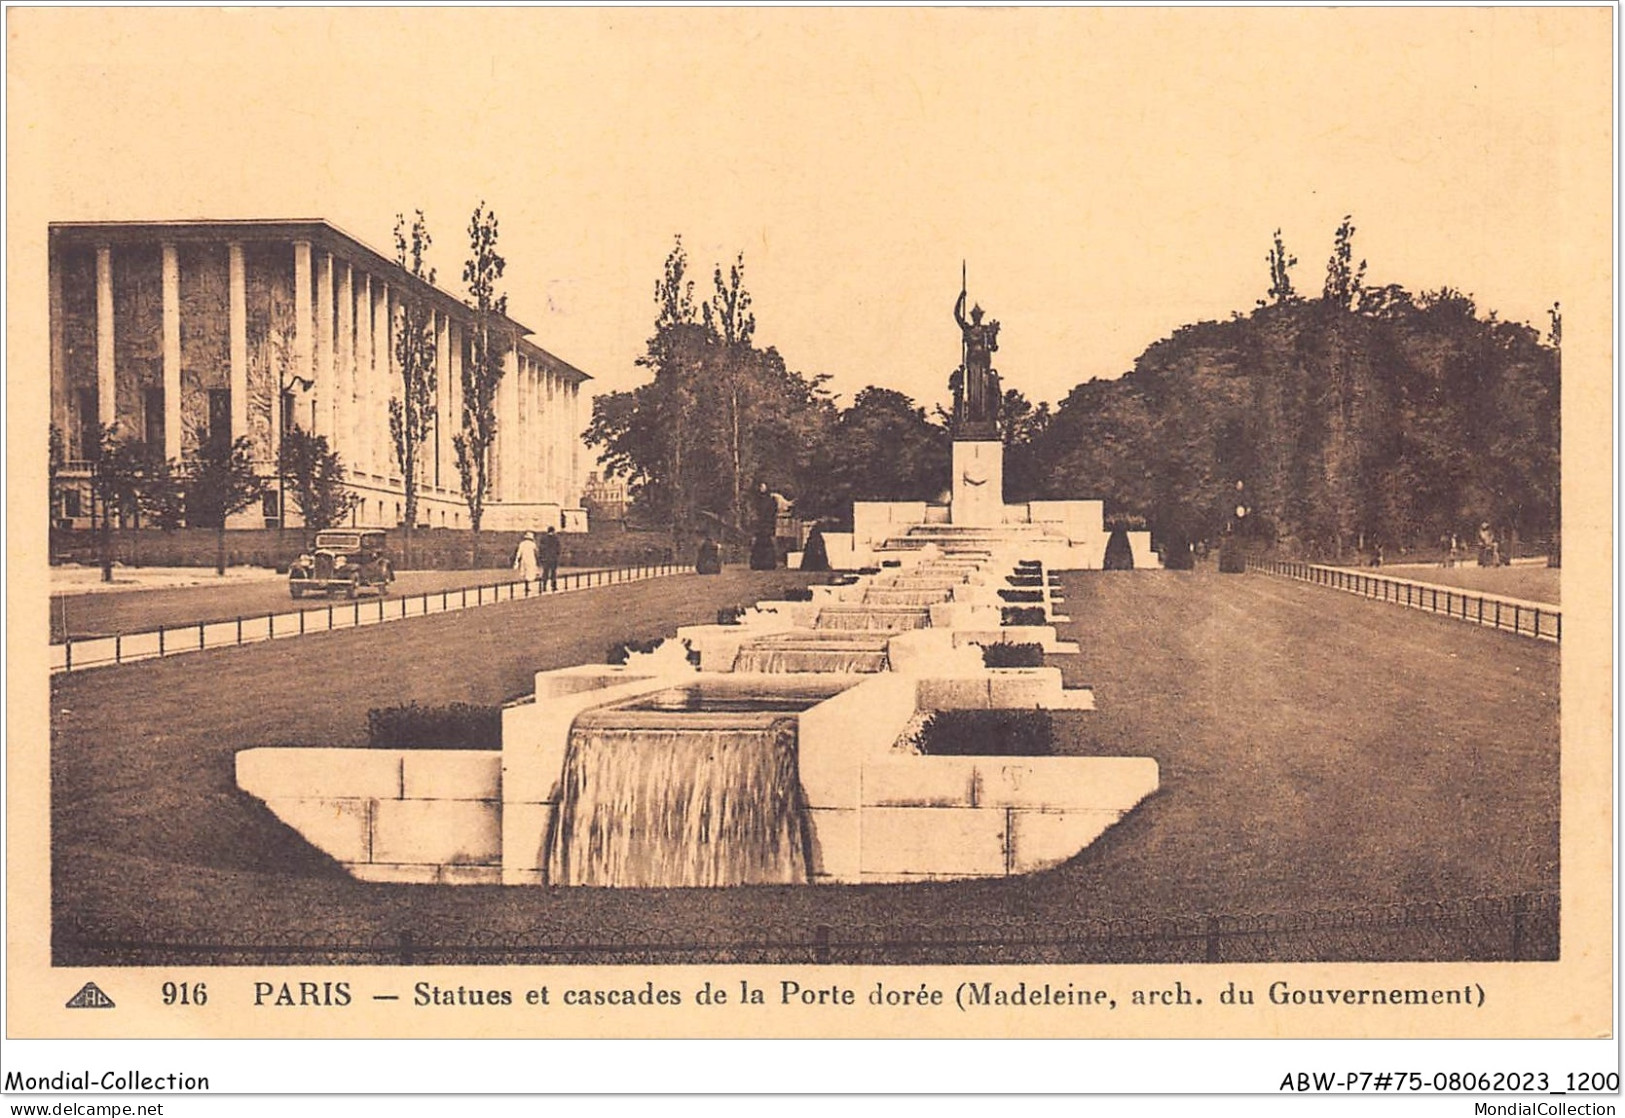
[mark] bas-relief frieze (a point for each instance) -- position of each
(138, 327)
(269, 289)
(205, 298)
(77, 267)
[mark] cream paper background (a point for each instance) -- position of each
(1474, 147)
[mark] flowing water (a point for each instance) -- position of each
(866, 618)
(904, 596)
(658, 800)
(811, 656)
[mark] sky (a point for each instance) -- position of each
(1105, 175)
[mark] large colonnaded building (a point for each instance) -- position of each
(169, 328)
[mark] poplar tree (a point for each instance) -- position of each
(482, 372)
(411, 414)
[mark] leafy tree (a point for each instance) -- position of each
(731, 325)
(648, 434)
(118, 468)
(162, 496)
(57, 449)
(1281, 264)
(316, 477)
(1344, 281)
(220, 481)
(1023, 426)
(719, 414)
(1410, 419)
(411, 414)
(482, 373)
(881, 448)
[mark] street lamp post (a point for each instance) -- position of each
(285, 384)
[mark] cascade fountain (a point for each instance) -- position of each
(774, 759)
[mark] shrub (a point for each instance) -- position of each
(1022, 595)
(987, 733)
(1024, 655)
(730, 615)
(619, 651)
(457, 726)
(816, 556)
(1021, 615)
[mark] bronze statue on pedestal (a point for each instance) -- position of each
(975, 384)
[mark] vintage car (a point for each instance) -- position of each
(342, 560)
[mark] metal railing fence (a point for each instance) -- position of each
(80, 653)
(1522, 926)
(1527, 619)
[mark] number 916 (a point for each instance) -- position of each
(186, 993)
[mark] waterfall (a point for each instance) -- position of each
(826, 656)
(904, 596)
(891, 619)
(655, 806)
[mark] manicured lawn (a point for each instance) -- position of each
(1318, 751)
(1531, 583)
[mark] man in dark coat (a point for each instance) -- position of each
(547, 555)
(763, 551)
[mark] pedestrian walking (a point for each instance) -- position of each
(524, 558)
(547, 553)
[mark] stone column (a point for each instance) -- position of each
(359, 432)
(442, 398)
(172, 351)
(59, 361)
(303, 328)
(344, 363)
(378, 392)
(106, 382)
(454, 405)
(324, 347)
(574, 487)
(516, 421)
(237, 282)
(507, 474)
(550, 436)
(530, 431)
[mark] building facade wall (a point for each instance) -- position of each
(168, 329)
(205, 336)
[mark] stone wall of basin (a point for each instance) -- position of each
(413, 816)
(938, 818)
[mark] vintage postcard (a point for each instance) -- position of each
(827, 523)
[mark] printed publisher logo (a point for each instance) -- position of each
(90, 996)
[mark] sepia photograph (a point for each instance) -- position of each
(824, 523)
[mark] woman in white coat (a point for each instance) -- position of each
(524, 559)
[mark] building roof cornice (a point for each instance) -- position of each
(320, 233)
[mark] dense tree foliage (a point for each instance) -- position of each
(881, 448)
(1407, 420)
(720, 415)
(1368, 415)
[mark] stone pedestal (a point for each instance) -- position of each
(978, 489)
